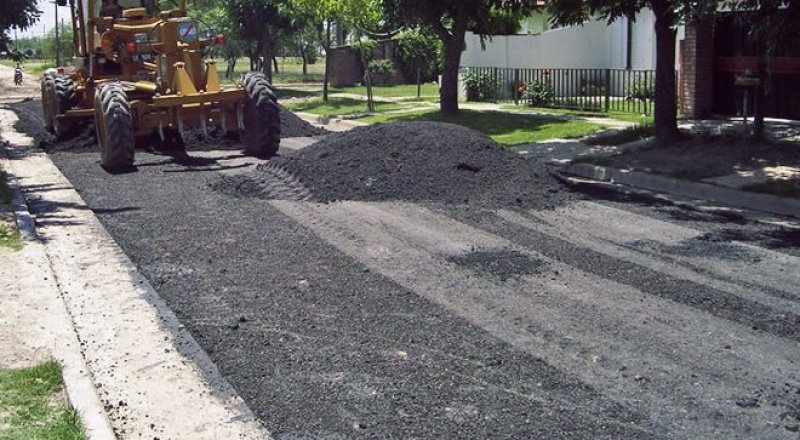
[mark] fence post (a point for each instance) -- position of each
(608, 90)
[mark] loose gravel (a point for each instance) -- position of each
(501, 265)
(409, 161)
(84, 140)
(300, 329)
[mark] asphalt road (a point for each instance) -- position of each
(609, 317)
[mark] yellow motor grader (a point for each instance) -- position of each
(140, 71)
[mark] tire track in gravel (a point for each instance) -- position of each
(720, 303)
(640, 350)
(771, 271)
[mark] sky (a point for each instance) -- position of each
(47, 19)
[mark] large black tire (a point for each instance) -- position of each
(261, 136)
(66, 99)
(49, 101)
(114, 126)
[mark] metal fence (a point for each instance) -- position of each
(593, 90)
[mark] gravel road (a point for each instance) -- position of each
(422, 317)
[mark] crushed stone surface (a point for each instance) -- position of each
(410, 161)
(84, 140)
(502, 265)
(299, 328)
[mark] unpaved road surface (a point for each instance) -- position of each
(11, 92)
(580, 317)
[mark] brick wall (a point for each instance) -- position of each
(697, 71)
(348, 70)
(346, 67)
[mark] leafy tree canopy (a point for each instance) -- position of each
(484, 17)
(362, 14)
(20, 14)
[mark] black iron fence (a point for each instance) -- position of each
(593, 90)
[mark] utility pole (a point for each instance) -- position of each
(58, 40)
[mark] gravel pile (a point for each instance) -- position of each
(410, 161)
(293, 126)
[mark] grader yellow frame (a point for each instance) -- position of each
(140, 72)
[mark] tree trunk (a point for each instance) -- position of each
(665, 115)
(305, 58)
(275, 64)
(367, 77)
(448, 93)
(267, 55)
(326, 80)
(759, 107)
(231, 67)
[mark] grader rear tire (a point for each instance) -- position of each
(261, 136)
(114, 127)
(66, 98)
(49, 101)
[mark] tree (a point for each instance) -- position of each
(668, 14)
(260, 22)
(19, 14)
(352, 14)
(64, 45)
(421, 53)
(450, 20)
(771, 25)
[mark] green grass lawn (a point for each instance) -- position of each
(342, 106)
(395, 91)
(290, 70)
(504, 128)
(400, 93)
(32, 405)
(9, 235)
(613, 114)
(33, 68)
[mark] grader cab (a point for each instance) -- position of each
(140, 71)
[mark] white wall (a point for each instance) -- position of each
(594, 45)
(643, 53)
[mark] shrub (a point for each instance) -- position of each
(641, 90)
(381, 67)
(480, 86)
(538, 94)
(420, 49)
(382, 71)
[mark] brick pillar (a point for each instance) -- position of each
(346, 67)
(697, 69)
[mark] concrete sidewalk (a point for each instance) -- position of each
(130, 367)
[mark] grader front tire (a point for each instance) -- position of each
(261, 134)
(114, 126)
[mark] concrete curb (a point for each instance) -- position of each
(757, 202)
(78, 385)
(22, 215)
(147, 375)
